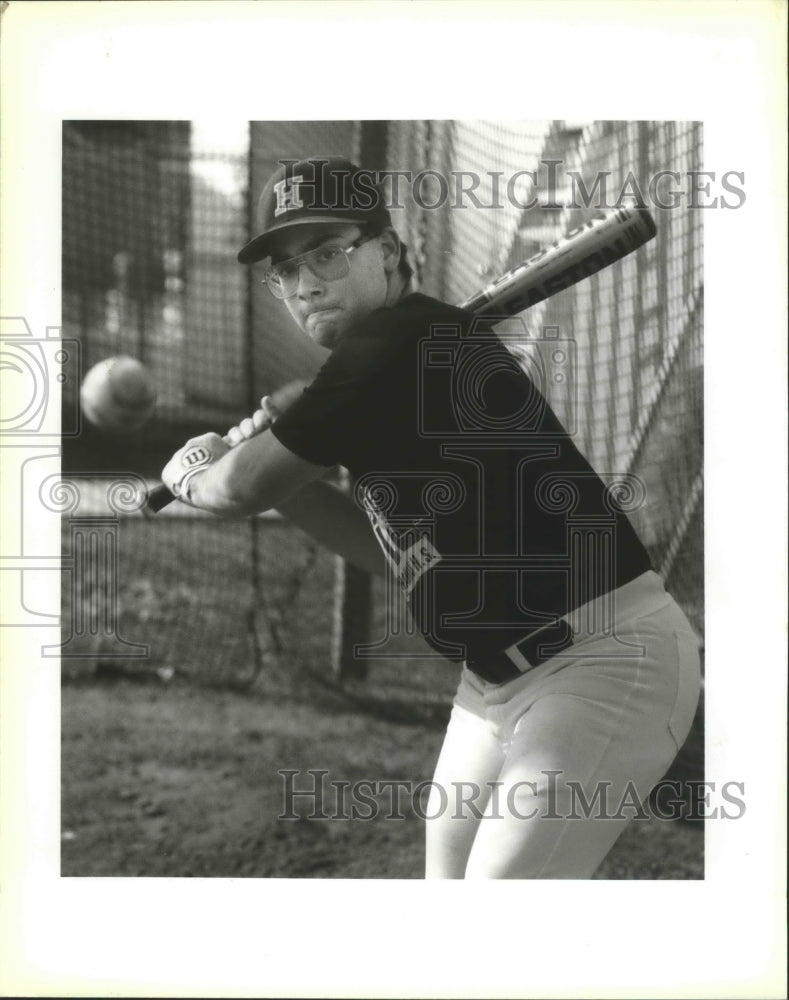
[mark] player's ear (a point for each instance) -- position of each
(390, 248)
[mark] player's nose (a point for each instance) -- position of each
(309, 283)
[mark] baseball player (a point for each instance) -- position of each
(579, 673)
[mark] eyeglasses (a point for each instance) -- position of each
(329, 263)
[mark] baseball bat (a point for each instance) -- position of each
(585, 250)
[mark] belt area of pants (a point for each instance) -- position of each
(641, 595)
(517, 659)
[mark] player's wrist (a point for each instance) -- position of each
(187, 490)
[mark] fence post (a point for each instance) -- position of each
(353, 604)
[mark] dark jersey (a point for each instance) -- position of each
(491, 519)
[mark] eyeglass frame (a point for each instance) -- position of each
(300, 259)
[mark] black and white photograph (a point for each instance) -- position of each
(375, 494)
(487, 517)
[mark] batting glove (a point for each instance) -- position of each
(193, 459)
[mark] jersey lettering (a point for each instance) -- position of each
(409, 558)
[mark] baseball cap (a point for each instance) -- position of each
(320, 189)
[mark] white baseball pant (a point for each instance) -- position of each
(523, 761)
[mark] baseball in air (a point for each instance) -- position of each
(118, 395)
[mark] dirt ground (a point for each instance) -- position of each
(178, 779)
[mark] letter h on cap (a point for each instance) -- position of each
(288, 197)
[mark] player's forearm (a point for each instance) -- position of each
(325, 512)
(332, 518)
(252, 477)
(211, 492)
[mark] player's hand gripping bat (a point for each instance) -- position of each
(584, 251)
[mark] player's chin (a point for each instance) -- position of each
(325, 333)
